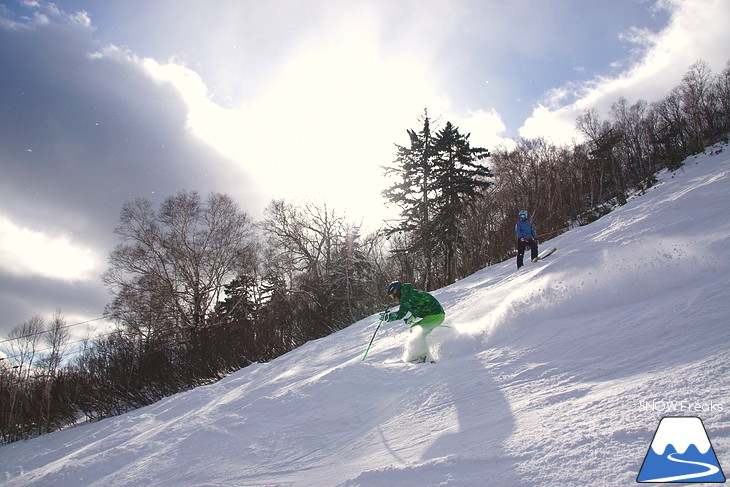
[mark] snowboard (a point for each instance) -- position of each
(545, 254)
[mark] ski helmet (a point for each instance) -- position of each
(523, 213)
(394, 289)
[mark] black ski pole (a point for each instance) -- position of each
(376, 331)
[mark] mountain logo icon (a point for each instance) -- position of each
(680, 452)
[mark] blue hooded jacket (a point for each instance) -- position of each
(524, 229)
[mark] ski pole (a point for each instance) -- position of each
(376, 331)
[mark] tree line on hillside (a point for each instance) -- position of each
(200, 290)
(560, 186)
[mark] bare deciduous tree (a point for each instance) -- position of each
(173, 263)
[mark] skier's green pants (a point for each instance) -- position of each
(428, 323)
(416, 346)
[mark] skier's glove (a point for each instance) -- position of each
(410, 320)
(384, 316)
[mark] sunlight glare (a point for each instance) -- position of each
(310, 132)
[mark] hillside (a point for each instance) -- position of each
(557, 374)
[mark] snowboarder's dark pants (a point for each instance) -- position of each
(521, 244)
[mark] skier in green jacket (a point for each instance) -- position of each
(421, 311)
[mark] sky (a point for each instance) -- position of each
(105, 102)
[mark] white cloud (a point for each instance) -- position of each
(44, 12)
(26, 252)
(697, 30)
(332, 107)
(324, 125)
(557, 125)
(486, 128)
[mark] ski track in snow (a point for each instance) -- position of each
(548, 376)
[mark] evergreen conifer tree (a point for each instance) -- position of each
(458, 178)
(414, 195)
(439, 175)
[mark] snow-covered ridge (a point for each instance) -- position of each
(680, 433)
(543, 379)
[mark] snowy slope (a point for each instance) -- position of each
(554, 375)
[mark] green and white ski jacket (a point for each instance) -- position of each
(418, 303)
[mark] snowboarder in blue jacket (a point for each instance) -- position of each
(526, 235)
